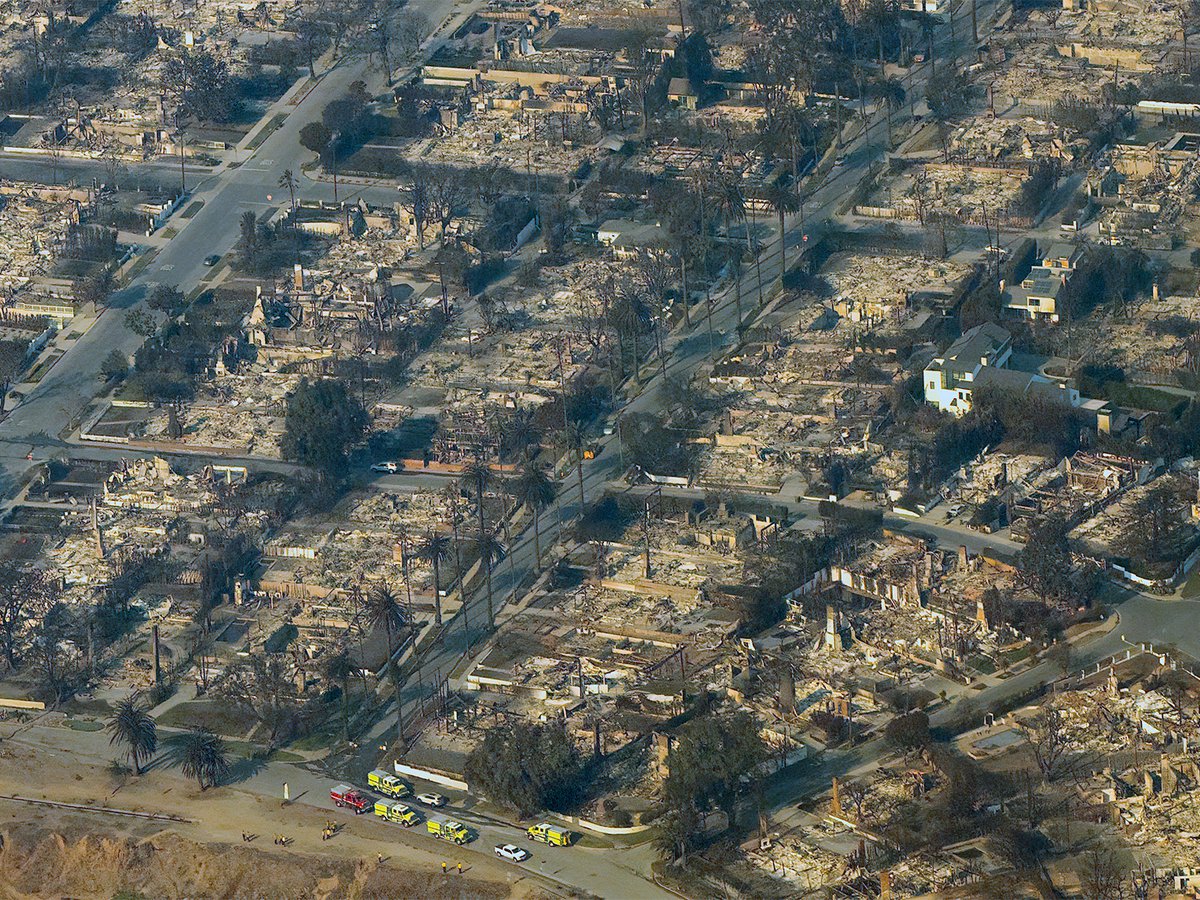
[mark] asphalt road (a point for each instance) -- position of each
(580, 868)
(228, 192)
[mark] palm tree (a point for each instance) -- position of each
(383, 611)
(732, 202)
(288, 181)
(435, 549)
(477, 476)
(132, 726)
(784, 201)
(535, 489)
(204, 757)
(573, 436)
(339, 668)
(517, 432)
(892, 93)
(490, 550)
(735, 253)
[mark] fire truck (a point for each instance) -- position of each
(396, 812)
(387, 784)
(345, 796)
(549, 834)
(449, 830)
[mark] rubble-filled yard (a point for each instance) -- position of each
(964, 193)
(32, 231)
(1043, 77)
(528, 142)
(874, 287)
(1158, 340)
(1012, 139)
(373, 539)
(242, 413)
(1150, 523)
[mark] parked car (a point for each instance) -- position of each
(955, 509)
(212, 260)
(388, 468)
(432, 799)
(512, 852)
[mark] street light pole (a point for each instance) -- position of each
(179, 136)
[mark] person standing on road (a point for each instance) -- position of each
(443, 867)
(460, 868)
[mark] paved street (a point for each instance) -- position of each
(34, 429)
(578, 867)
(227, 192)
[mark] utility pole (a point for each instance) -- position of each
(653, 500)
(683, 676)
(399, 715)
(404, 569)
(179, 136)
(646, 535)
(558, 341)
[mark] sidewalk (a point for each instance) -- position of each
(55, 349)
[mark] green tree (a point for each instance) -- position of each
(383, 611)
(490, 552)
(909, 732)
(323, 421)
(707, 766)
(893, 95)
(477, 478)
(115, 365)
(13, 357)
(288, 182)
(204, 756)
(785, 201)
(95, 288)
(948, 94)
(313, 35)
(534, 488)
(200, 84)
(132, 726)
(528, 767)
(166, 298)
(339, 667)
(315, 136)
(140, 322)
(435, 549)
(573, 437)
(250, 242)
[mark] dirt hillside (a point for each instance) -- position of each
(39, 863)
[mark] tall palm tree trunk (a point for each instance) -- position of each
(782, 246)
(490, 603)
(687, 313)
(737, 295)
(346, 709)
(579, 472)
(437, 590)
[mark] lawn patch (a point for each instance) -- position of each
(266, 131)
(221, 718)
